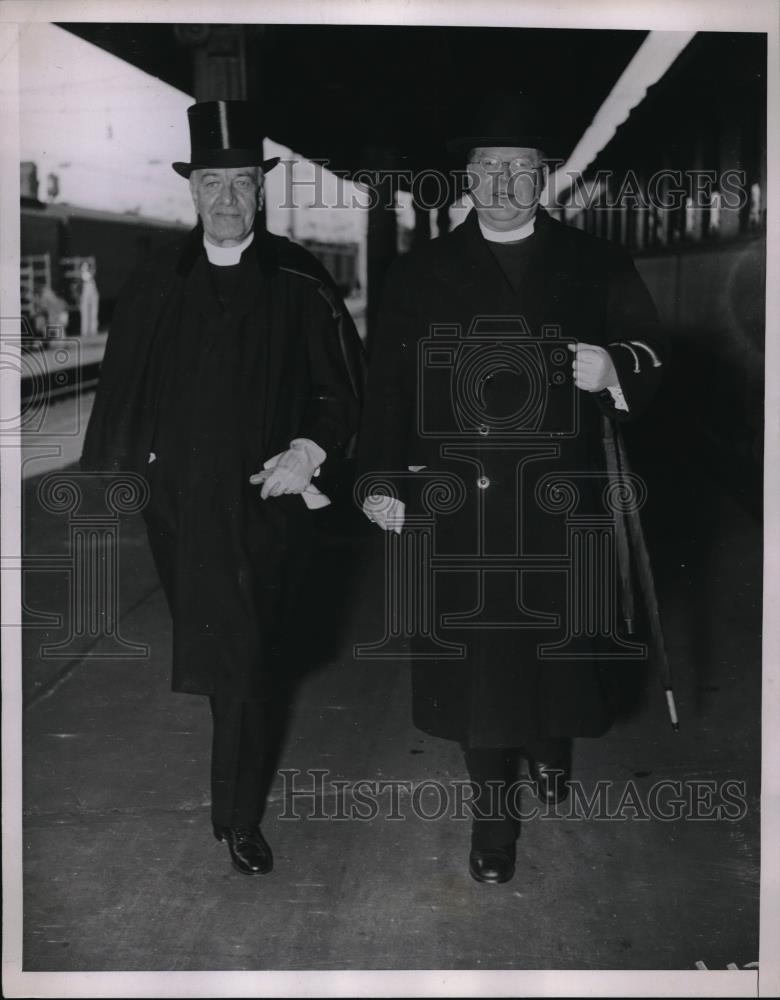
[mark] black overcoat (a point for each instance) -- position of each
(214, 393)
(471, 379)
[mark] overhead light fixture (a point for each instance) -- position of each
(650, 62)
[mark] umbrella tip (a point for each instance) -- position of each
(672, 709)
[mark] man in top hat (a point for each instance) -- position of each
(500, 347)
(231, 381)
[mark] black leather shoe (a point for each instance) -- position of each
(249, 851)
(551, 781)
(492, 865)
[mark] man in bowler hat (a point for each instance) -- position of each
(500, 348)
(231, 381)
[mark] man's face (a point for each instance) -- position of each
(505, 184)
(227, 199)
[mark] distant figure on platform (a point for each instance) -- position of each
(89, 299)
(49, 311)
(500, 348)
(232, 381)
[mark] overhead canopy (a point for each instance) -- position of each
(367, 97)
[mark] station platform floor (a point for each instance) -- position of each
(121, 871)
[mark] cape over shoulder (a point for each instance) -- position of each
(556, 235)
(298, 260)
(273, 253)
(154, 271)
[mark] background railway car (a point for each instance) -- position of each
(56, 237)
(340, 260)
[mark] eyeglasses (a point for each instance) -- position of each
(492, 165)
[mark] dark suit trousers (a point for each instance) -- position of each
(240, 735)
(492, 771)
(239, 757)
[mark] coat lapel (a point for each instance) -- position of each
(272, 308)
(553, 273)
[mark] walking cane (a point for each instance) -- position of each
(617, 469)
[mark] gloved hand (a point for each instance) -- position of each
(291, 471)
(387, 512)
(593, 368)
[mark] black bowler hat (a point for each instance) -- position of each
(504, 119)
(225, 134)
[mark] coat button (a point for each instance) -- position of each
(483, 482)
(483, 429)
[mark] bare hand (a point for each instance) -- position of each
(592, 367)
(387, 512)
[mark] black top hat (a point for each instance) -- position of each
(225, 134)
(504, 119)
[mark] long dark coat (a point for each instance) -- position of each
(446, 394)
(213, 393)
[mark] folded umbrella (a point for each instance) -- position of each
(628, 525)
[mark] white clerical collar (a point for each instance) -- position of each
(509, 235)
(226, 256)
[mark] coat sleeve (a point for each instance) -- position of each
(109, 441)
(389, 414)
(633, 338)
(336, 374)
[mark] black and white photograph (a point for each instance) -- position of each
(389, 498)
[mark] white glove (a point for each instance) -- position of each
(291, 471)
(387, 512)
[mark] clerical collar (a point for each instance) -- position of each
(226, 256)
(509, 235)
